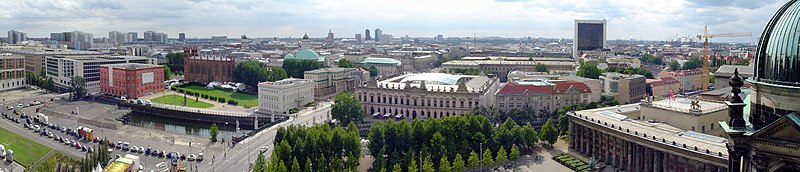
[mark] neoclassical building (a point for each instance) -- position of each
(766, 137)
(427, 95)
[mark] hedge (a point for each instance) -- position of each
(221, 100)
(233, 102)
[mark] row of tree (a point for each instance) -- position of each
(39, 81)
(99, 157)
(317, 148)
(465, 71)
(295, 68)
(651, 59)
(631, 70)
(175, 62)
(253, 72)
(445, 140)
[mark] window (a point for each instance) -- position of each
(703, 129)
(712, 126)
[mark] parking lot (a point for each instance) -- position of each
(61, 138)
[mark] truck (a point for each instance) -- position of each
(85, 132)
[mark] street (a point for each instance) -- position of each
(242, 155)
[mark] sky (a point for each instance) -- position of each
(638, 19)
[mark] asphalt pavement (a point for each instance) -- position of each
(240, 157)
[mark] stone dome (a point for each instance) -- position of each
(777, 59)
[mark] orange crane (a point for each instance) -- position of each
(705, 36)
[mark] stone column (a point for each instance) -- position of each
(572, 135)
(734, 160)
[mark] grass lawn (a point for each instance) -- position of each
(245, 100)
(26, 152)
(178, 100)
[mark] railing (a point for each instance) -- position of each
(667, 107)
(204, 111)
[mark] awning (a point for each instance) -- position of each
(376, 114)
(387, 115)
(399, 116)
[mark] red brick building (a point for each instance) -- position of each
(206, 68)
(131, 80)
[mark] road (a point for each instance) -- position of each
(136, 136)
(242, 155)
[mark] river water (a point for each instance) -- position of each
(199, 129)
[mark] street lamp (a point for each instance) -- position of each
(481, 156)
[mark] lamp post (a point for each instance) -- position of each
(481, 156)
(420, 160)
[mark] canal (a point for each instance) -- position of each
(199, 129)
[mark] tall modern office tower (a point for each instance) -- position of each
(378, 34)
(149, 36)
(16, 37)
(366, 35)
(132, 36)
(358, 38)
(181, 36)
(589, 35)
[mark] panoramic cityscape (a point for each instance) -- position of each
(399, 86)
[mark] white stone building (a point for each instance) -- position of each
(281, 96)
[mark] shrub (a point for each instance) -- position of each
(233, 102)
(178, 90)
(221, 100)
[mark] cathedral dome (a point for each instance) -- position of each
(778, 54)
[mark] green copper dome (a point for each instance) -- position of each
(305, 54)
(778, 54)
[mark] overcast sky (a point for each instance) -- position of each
(640, 19)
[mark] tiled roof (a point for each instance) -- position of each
(663, 81)
(559, 88)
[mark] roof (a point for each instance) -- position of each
(664, 134)
(380, 60)
(776, 55)
(132, 66)
(662, 81)
(433, 78)
(305, 54)
(558, 87)
(329, 70)
(727, 70)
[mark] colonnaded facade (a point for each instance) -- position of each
(427, 95)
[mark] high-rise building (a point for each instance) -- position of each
(16, 37)
(148, 35)
(366, 35)
(378, 34)
(439, 37)
(329, 39)
(181, 36)
(358, 38)
(58, 36)
(117, 37)
(589, 35)
(132, 36)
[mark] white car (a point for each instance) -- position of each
(10, 107)
(192, 157)
(2, 151)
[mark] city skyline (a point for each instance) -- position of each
(503, 18)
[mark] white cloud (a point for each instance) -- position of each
(514, 18)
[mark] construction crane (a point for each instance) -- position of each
(705, 36)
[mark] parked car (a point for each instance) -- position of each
(140, 150)
(147, 151)
(126, 146)
(200, 156)
(192, 157)
(2, 151)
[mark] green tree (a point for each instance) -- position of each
(307, 166)
(260, 164)
(589, 70)
(473, 160)
(541, 67)
(444, 165)
(347, 108)
(397, 168)
(175, 62)
(487, 157)
(213, 131)
(253, 72)
(78, 87)
(674, 65)
(295, 165)
(458, 163)
(427, 165)
(373, 71)
(514, 152)
(295, 68)
(344, 63)
(413, 165)
(502, 155)
(167, 73)
(549, 133)
(282, 167)
(693, 63)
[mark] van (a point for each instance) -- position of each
(10, 156)
(2, 151)
(42, 118)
